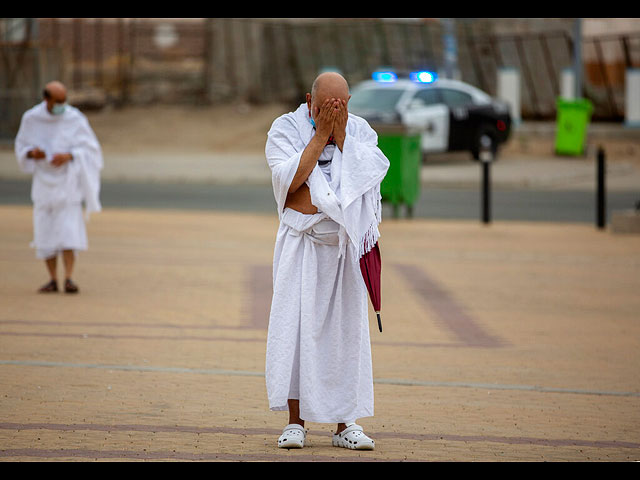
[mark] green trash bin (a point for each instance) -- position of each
(571, 125)
(401, 185)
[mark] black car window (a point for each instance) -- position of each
(375, 99)
(455, 98)
(430, 96)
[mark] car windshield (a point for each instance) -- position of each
(382, 100)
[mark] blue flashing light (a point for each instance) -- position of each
(384, 76)
(423, 77)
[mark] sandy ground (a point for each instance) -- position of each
(225, 144)
(232, 128)
(242, 128)
(517, 342)
(514, 342)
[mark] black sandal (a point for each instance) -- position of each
(70, 287)
(52, 286)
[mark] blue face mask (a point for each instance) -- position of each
(58, 108)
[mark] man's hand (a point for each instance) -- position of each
(340, 123)
(60, 159)
(325, 116)
(36, 154)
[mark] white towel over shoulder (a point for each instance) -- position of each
(352, 197)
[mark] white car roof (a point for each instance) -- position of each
(409, 85)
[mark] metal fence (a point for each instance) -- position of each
(198, 61)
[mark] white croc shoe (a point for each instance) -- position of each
(354, 438)
(293, 436)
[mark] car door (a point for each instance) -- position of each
(427, 113)
(462, 125)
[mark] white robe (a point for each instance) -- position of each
(58, 192)
(318, 346)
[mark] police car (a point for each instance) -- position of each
(450, 115)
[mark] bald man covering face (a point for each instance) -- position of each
(58, 147)
(326, 173)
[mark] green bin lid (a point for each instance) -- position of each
(579, 103)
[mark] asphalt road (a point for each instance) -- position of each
(437, 203)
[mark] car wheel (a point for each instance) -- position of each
(485, 138)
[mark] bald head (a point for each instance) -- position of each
(329, 85)
(54, 93)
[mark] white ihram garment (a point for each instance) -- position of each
(58, 192)
(318, 346)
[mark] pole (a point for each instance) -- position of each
(207, 59)
(486, 157)
(77, 53)
(486, 192)
(121, 73)
(98, 50)
(450, 47)
(577, 56)
(601, 190)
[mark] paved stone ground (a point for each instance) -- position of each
(513, 342)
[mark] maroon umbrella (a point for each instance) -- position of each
(371, 266)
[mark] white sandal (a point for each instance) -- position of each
(293, 436)
(354, 438)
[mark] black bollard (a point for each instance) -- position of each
(486, 157)
(486, 192)
(601, 190)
